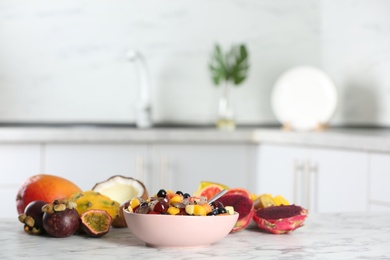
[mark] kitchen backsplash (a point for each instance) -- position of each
(65, 61)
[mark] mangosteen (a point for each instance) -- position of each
(32, 217)
(60, 219)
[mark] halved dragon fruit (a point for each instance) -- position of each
(241, 204)
(280, 219)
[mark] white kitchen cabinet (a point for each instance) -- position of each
(183, 167)
(173, 166)
(340, 180)
(322, 180)
(277, 166)
(18, 162)
(87, 164)
(379, 192)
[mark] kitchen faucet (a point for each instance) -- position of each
(143, 106)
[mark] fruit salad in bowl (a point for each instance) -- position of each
(178, 220)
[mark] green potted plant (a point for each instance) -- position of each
(228, 69)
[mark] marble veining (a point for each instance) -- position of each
(324, 236)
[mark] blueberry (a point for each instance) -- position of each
(179, 193)
(221, 211)
(161, 193)
(186, 195)
(214, 212)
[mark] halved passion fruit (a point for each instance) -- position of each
(280, 219)
(96, 223)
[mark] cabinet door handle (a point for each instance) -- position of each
(313, 186)
(298, 168)
(307, 184)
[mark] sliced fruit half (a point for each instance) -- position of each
(96, 223)
(204, 184)
(241, 204)
(209, 191)
(280, 219)
(241, 191)
(121, 188)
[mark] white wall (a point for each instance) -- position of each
(355, 50)
(64, 61)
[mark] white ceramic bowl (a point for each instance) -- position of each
(179, 231)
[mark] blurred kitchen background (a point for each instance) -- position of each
(65, 61)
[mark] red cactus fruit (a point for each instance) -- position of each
(241, 204)
(280, 219)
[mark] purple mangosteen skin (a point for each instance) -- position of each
(34, 210)
(61, 223)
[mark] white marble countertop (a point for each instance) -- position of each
(377, 140)
(325, 236)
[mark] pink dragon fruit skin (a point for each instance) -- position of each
(281, 225)
(243, 205)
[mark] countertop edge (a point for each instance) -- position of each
(351, 139)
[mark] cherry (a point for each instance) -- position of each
(217, 204)
(161, 206)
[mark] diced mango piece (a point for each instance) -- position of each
(176, 199)
(207, 207)
(134, 203)
(170, 193)
(173, 211)
(199, 210)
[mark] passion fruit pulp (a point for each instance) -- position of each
(96, 223)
